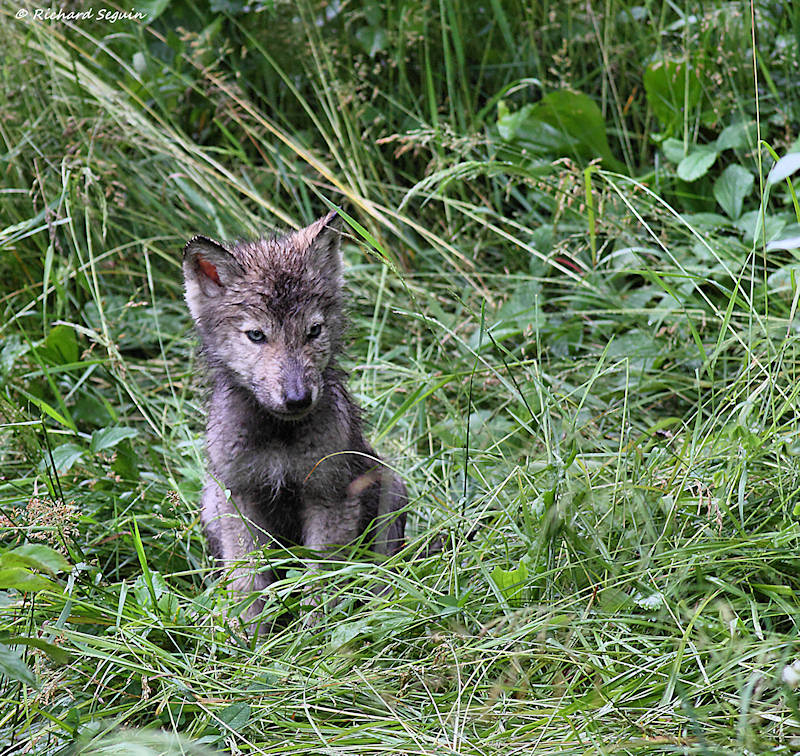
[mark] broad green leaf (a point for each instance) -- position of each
(142, 588)
(126, 464)
(511, 583)
(450, 605)
(562, 123)
(89, 410)
(236, 716)
(12, 666)
(169, 606)
(696, 164)
(673, 150)
(785, 243)
(737, 136)
(13, 347)
(672, 91)
(651, 602)
(706, 221)
(372, 39)
(613, 599)
(731, 188)
(108, 438)
(137, 742)
(345, 632)
(785, 279)
(784, 168)
(635, 343)
(521, 311)
(22, 579)
(36, 556)
(153, 9)
(64, 456)
(56, 653)
(752, 224)
(577, 115)
(535, 137)
(60, 347)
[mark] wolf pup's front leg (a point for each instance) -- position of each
(234, 530)
(283, 434)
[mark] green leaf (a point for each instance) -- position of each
(737, 136)
(637, 343)
(148, 588)
(753, 225)
(787, 243)
(345, 632)
(521, 311)
(36, 556)
(48, 410)
(22, 579)
(650, 602)
(784, 168)
(731, 188)
(153, 9)
(60, 347)
(613, 599)
(372, 39)
(56, 653)
(89, 410)
(696, 164)
(13, 347)
(64, 456)
(562, 123)
(12, 666)
(126, 464)
(236, 716)
(511, 583)
(674, 150)
(707, 221)
(169, 606)
(108, 438)
(672, 90)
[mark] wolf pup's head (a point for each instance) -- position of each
(269, 312)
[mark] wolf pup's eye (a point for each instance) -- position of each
(257, 337)
(315, 331)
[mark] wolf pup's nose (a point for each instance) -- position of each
(297, 398)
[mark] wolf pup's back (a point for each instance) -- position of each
(283, 434)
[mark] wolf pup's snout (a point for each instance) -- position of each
(284, 436)
(297, 395)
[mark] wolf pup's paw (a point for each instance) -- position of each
(245, 620)
(244, 585)
(316, 613)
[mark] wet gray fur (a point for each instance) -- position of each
(283, 434)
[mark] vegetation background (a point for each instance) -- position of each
(573, 276)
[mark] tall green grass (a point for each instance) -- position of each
(582, 358)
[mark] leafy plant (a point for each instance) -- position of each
(20, 570)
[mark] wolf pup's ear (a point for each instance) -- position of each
(322, 241)
(207, 269)
(208, 266)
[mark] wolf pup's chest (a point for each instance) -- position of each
(275, 466)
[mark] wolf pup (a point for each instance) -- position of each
(283, 435)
